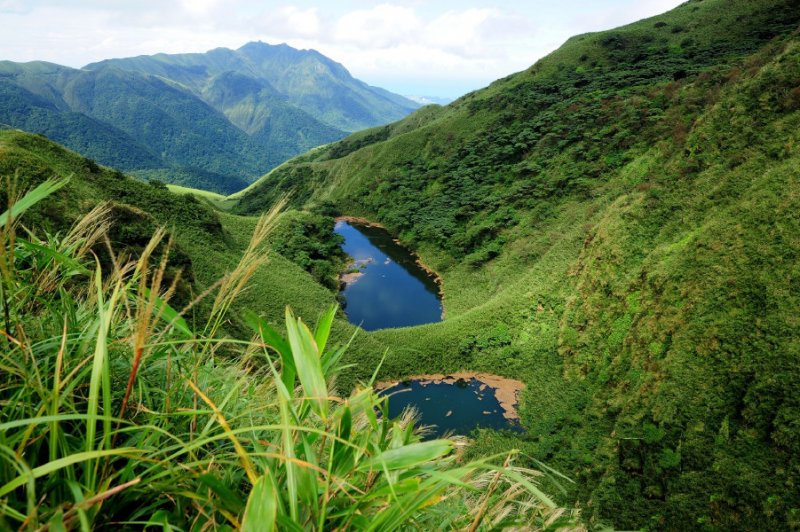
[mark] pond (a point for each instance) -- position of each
(385, 286)
(457, 403)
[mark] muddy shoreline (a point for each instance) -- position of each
(506, 390)
(350, 276)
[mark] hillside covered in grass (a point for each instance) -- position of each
(207, 243)
(214, 121)
(617, 225)
(118, 411)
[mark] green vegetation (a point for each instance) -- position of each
(307, 239)
(213, 121)
(241, 82)
(219, 201)
(116, 411)
(212, 241)
(21, 108)
(614, 226)
(135, 123)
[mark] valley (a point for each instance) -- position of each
(614, 228)
(576, 212)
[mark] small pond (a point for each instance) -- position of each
(455, 405)
(385, 287)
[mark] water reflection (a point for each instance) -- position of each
(392, 290)
(450, 407)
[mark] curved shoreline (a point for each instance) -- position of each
(506, 390)
(427, 269)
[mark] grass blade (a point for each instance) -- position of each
(262, 506)
(32, 198)
(323, 329)
(227, 496)
(273, 339)
(162, 309)
(410, 455)
(55, 465)
(307, 362)
(243, 456)
(98, 366)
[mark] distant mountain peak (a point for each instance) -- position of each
(211, 120)
(309, 80)
(262, 44)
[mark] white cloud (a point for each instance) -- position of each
(383, 26)
(199, 7)
(458, 31)
(291, 21)
(600, 17)
(476, 32)
(404, 46)
(14, 6)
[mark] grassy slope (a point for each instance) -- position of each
(219, 201)
(613, 225)
(213, 241)
(197, 440)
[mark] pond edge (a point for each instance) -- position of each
(427, 269)
(506, 390)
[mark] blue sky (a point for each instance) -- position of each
(419, 47)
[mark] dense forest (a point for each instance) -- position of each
(616, 226)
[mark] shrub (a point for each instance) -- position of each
(115, 412)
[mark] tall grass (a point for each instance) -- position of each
(115, 412)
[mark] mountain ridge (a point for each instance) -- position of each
(300, 75)
(164, 117)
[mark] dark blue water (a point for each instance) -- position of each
(394, 291)
(456, 407)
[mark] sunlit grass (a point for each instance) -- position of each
(117, 412)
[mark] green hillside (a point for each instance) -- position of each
(212, 121)
(211, 242)
(306, 79)
(25, 109)
(152, 127)
(615, 225)
(172, 123)
(119, 411)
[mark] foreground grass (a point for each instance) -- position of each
(117, 412)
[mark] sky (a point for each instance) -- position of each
(442, 48)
